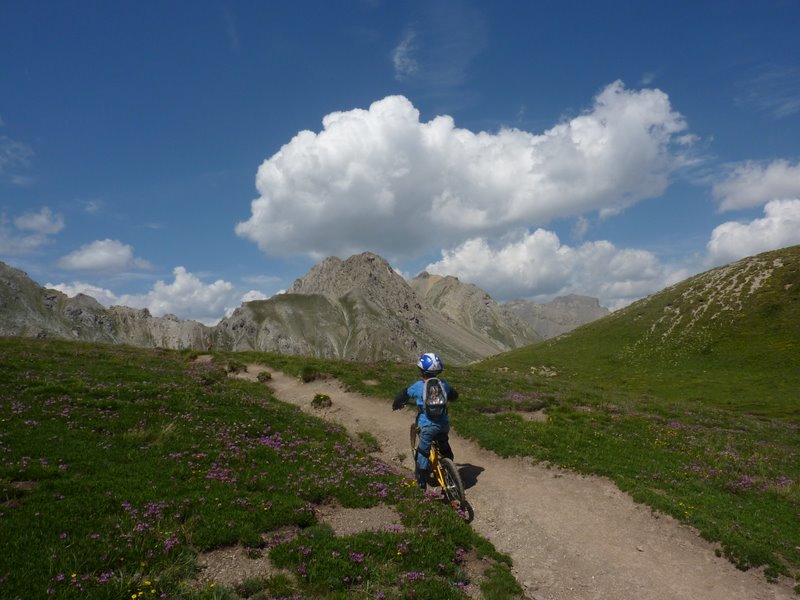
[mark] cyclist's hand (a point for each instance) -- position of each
(400, 400)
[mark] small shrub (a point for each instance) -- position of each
(264, 376)
(309, 373)
(321, 401)
(234, 366)
(262, 587)
(209, 374)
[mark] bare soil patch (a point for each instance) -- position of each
(230, 567)
(351, 521)
(538, 416)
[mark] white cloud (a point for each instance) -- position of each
(43, 222)
(254, 295)
(103, 256)
(751, 184)
(774, 90)
(104, 296)
(437, 52)
(536, 265)
(779, 228)
(580, 228)
(92, 206)
(186, 296)
(402, 57)
(29, 232)
(647, 78)
(373, 179)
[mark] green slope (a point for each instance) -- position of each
(729, 337)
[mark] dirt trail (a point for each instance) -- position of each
(571, 537)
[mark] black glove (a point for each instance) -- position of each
(400, 400)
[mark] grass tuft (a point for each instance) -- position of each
(321, 401)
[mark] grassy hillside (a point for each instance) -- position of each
(728, 338)
(119, 465)
(687, 399)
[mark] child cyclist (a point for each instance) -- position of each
(433, 424)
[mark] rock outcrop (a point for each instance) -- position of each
(473, 308)
(30, 310)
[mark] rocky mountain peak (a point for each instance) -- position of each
(364, 278)
(335, 277)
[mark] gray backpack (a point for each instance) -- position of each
(434, 398)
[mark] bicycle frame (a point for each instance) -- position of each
(436, 465)
(446, 475)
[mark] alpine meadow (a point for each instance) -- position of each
(120, 466)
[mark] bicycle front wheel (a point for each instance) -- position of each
(453, 487)
(413, 435)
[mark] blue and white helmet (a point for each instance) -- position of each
(430, 363)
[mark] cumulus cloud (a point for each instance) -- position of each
(371, 179)
(103, 256)
(103, 295)
(751, 184)
(538, 266)
(28, 232)
(254, 295)
(186, 296)
(779, 228)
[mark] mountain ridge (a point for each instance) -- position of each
(559, 316)
(359, 308)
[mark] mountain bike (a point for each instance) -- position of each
(445, 475)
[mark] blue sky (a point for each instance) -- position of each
(184, 156)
